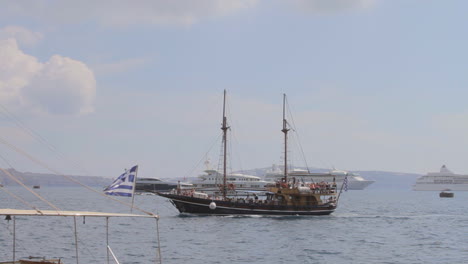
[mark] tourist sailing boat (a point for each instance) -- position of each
(285, 197)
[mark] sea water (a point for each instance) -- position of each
(369, 226)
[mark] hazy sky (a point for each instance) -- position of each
(371, 84)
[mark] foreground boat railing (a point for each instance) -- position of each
(10, 214)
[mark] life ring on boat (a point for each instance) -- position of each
(231, 186)
(212, 205)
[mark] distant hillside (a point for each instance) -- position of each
(43, 179)
(383, 179)
(389, 180)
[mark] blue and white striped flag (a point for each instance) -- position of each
(124, 184)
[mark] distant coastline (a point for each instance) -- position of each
(383, 179)
(48, 179)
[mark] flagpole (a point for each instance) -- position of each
(134, 186)
(345, 181)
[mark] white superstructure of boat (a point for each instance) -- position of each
(211, 181)
(442, 180)
(355, 181)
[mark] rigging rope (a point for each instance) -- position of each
(29, 204)
(19, 199)
(204, 156)
(40, 139)
(30, 190)
(297, 133)
(37, 161)
(59, 155)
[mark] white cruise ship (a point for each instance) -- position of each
(355, 181)
(442, 180)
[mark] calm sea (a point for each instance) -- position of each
(370, 226)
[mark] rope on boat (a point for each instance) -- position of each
(29, 189)
(294, 129)
(39, 138)
(42, 140)
(19, 199)
(37, 161)
(204, 156)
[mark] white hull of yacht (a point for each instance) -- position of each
(440, 187)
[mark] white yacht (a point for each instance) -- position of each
(355, 181)
(442, 180)
(211, 182)
(237, 183)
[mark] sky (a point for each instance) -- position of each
(94, 87)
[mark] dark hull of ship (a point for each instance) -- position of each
(193, 205)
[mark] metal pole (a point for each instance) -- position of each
(159, 243)
(113, 255)
(134, 186)
(224, 128)
(107, 238)
(14, 238)
(341, 189)
(76, 240)
(285, 131)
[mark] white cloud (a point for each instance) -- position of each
(23, 35)
(16, 69)
(331, 6)
(63, 86)
(122, 12)
(59, 86)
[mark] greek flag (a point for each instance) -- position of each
(124, 184)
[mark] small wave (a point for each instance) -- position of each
(402, 217)
(322, 252)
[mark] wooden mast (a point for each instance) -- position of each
(224, 128)
(285, 131)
